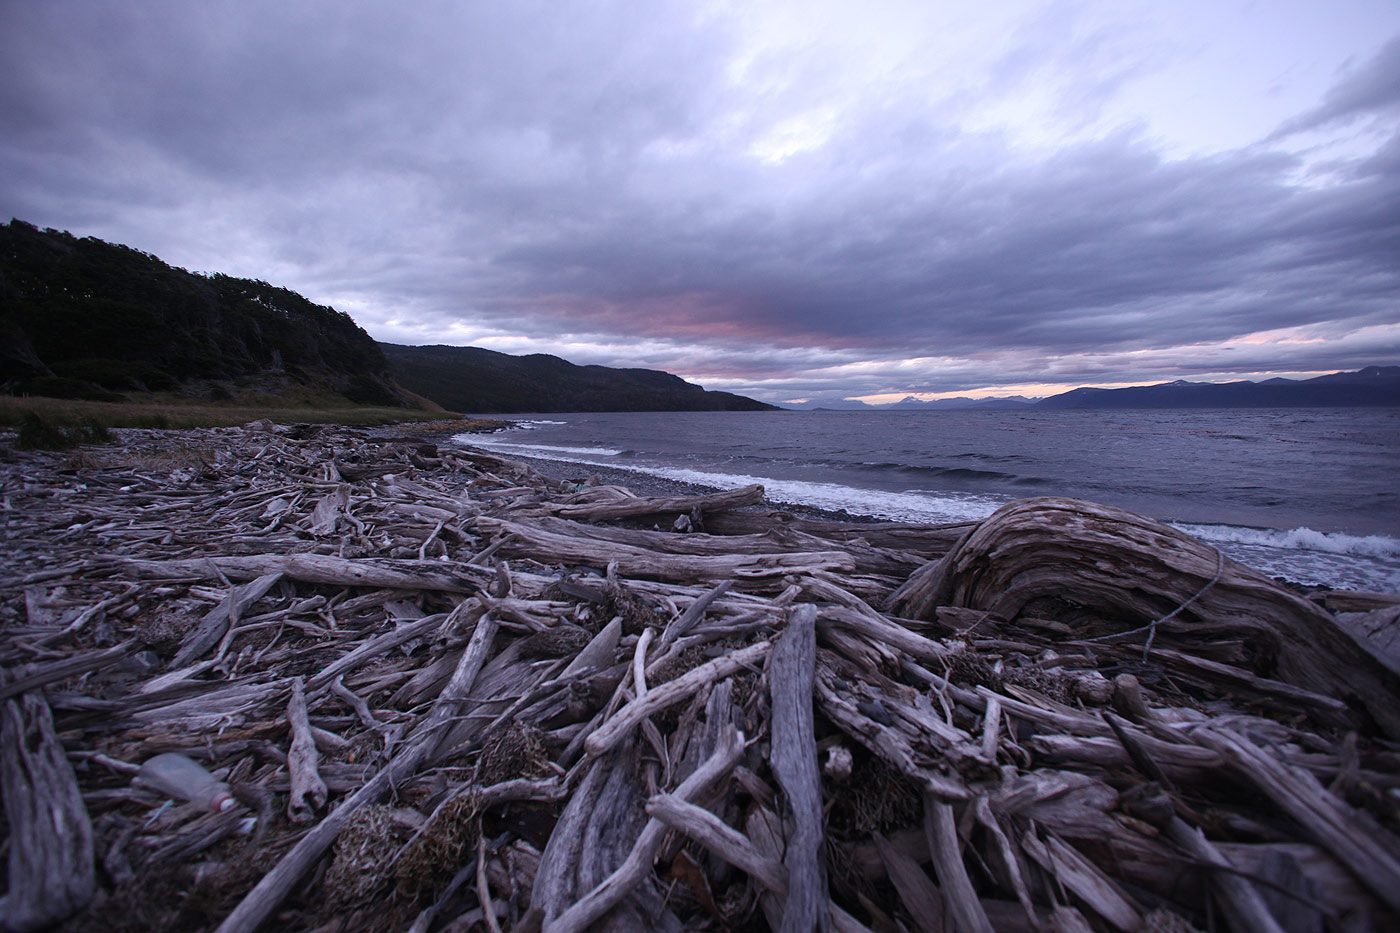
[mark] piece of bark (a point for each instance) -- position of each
(51, 865)
(794, 760)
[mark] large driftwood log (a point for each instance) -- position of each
(639, 506)
(777, 540)
(639, 561)
(1128, 571)
(794, 758)
(924, 540)
(318, 568)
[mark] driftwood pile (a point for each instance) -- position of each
(451, 694)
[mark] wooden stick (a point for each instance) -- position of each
(302, 760)
(1243, 904)
(723, 840)
(617, 727)
(945, 848)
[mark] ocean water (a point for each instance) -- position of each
(1308, 494)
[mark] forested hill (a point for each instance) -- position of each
(87, 318)
(471, 379)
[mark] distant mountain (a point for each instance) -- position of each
(1005, 403)
(830, 404)
(82, 318)
(910, 403)
(1371, 387)
(472, 379)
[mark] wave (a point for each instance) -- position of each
(894, 506)
(542, 451)
(947, 473)
(1299, 539)
(527, 425)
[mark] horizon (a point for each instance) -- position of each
(781, 200)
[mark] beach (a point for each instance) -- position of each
(401, 664)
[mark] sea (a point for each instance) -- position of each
(1310, 495)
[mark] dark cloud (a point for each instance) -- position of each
(604, 182)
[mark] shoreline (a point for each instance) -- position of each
(646, 484)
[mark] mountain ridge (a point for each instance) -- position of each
(485, 381)
(1371, 386)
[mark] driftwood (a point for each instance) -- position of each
(1082, 553)
(51, 872)
(501, 702)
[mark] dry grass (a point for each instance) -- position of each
(171, 412)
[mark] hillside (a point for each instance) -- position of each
(83, 318)
(482, 381)
(1372, 386)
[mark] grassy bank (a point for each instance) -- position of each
(167, 413)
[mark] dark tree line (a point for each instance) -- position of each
(80, 316)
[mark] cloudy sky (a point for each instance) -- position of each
(790, 200)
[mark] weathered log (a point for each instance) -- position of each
(51, 872)
(640, 507)
(302, 760)
(913, 538)
(794, 760)
(631, 560)
(621, 723)
(217, 621)
(1128, 572)
(318, 568)
(778, 540)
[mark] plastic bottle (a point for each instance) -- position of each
(186, 779)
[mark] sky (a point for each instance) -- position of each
(790, 200)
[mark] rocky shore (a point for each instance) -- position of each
(450, 691)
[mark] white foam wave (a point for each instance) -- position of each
(542, 451)
(894, 506)
(527, 425)
(1299, 539)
